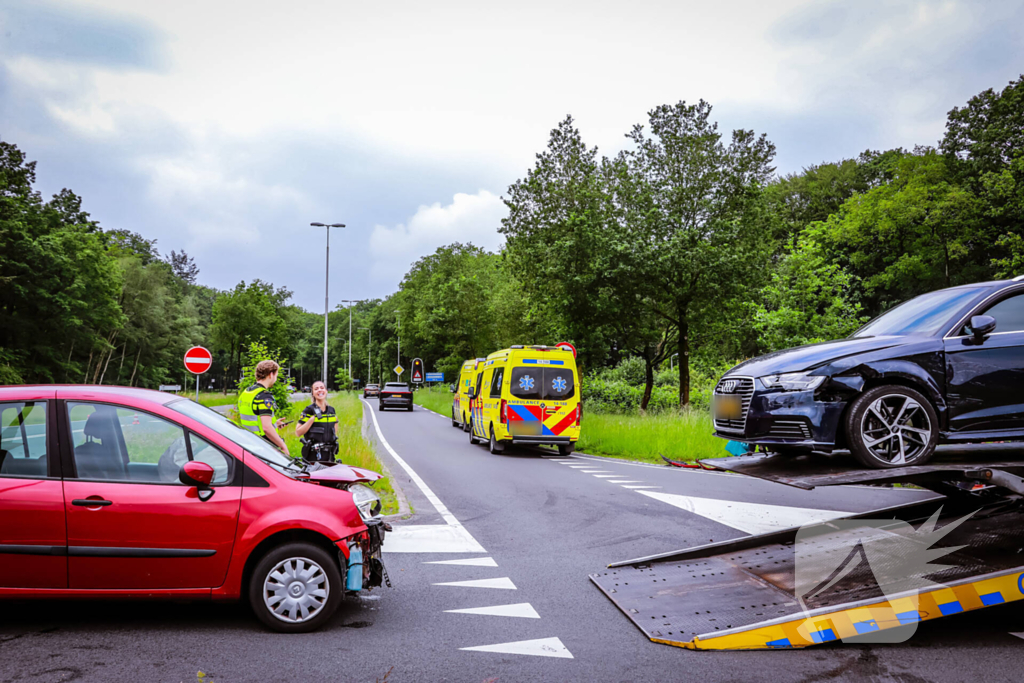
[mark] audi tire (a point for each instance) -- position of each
(295, 588)
(892, 426)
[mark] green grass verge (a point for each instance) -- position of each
(683, 435)
(353, 449)
(679, 436)
(211, 398)
(438, 399)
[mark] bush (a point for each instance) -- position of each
(256, 352)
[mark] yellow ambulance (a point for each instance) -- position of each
(461, 402)
(526, 395)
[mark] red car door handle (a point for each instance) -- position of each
(91, 502)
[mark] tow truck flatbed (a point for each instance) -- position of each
(744, 593)
(952, 463)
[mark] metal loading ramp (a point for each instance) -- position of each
(743, 594)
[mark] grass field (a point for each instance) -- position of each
(353, 448)
(679, 436)
(212, 398)
(438, 399)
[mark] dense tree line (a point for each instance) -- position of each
(686, 245)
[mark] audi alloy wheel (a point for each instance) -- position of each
(892, 426)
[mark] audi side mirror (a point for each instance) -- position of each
(982, 326)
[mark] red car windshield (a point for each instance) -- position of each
(229, 430)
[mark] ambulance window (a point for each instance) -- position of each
(479, 383)
(527, 383)
(496, 383)
(558, 384)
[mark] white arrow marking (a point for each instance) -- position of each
(503, 583)
(523, 609)
(542, 647)
(753, 518)
(469, 562)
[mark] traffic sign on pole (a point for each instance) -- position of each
(197, 361)
(399, 370)
(566, 346)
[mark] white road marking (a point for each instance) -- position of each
(640, 487)
(503, 583)
(1019, 635)
(595, 471)
(523, 609)
(429, 538)
(469, 562)
(624, 481)
(542, 647)
(577, 467)
(605, 476)
(753, 518)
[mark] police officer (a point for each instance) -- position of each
(256, 405)
(319, 424)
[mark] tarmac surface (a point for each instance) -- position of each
(490, 583)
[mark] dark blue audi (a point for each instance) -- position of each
(945, 367)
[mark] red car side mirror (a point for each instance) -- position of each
(198, 474)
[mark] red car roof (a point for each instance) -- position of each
(130, 395)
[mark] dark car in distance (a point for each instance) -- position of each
(371, 390)
(395, 395)
(945, 367)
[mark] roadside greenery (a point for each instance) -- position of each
(685, 436)
(664, 264)
(436, 398)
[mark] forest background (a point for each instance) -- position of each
(664, 265)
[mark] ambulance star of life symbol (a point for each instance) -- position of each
(883, 562)
(558, 384)
(526, 383)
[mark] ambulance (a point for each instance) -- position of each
(526, 395)
(460, 402)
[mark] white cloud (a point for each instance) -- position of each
(469, 218)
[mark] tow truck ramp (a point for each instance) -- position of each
(744, 594)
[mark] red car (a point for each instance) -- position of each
(125, 493)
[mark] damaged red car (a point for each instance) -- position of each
(111, 492)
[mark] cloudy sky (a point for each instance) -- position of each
(225, 128)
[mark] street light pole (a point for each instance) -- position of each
(327, 290)
(369, 355)
(350, 302)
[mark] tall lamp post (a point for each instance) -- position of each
(327, 290)
(369, 354)
(350, 302)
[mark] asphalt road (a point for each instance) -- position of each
(533, 527)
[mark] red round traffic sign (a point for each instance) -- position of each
(198, 360)
(566, 346)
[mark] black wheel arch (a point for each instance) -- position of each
(893, 373)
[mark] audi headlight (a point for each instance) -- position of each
(793, 381)
(366, 499)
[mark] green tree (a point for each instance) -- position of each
(254, 352)
(695, 218)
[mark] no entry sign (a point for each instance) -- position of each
(198, 360)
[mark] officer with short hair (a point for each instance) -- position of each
(319, 424)
(256, 405)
